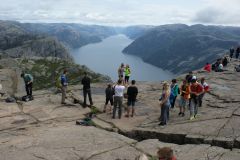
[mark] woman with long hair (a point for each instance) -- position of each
(165, 104)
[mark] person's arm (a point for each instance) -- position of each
(164, 98)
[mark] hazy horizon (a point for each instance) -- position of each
(123, 12)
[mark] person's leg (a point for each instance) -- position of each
(84, 97)
(133, 108)
(184, 107)
(174, 100)
(63, 94)
(120, 107)
(106, 103)
(111, 102)
(90, 97)
(27, 90)
(164, 114)
(196, 109)
(128, 107)
(115, 106)
(192, 107)
(30, 89)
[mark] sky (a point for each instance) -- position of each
(123, 12)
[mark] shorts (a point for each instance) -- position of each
(182, 102)
(109, 99)
(131, 102)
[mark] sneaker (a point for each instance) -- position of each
(183, 114)
(126, 115)
(179, 113)
(191, 118)
(196, 115)
(161, 124)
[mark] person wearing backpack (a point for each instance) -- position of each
(109, 92)
(196, 89)
(28, 80)
(64, 84)
(185, 95)
(174, 92)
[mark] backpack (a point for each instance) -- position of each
(58, 82)
(27, 98)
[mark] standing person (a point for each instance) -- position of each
(109, 92)
(174, 91)
(189, 77)
(205, 88)
(118, 99)
(207, 67)
(185, 95)
(225, 62)
(237, 52)
(231, 53)
(28, 80)
(132, 93)
(121, 71)
(127, 74)
(164, 104)
(64, 84)
(195, 90)
(86, 89)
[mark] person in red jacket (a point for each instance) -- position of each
(196, 89)
(207, 67)
(205, 88)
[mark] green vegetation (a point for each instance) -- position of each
(47, 71)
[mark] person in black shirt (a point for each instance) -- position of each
(109, 97)
(189, 77)
(86, 89)
(231, 53)
(132, 93)
(237, 52)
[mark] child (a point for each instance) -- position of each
(185, 95)
(109, 97)
(166, 153)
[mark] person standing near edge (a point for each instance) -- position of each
(127, 74)
(132, 93)
(64, 85)
(86, 89)
(118, 99)
(28, 79)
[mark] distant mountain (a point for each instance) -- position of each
(16, 41)
(180, 48)
(72, 35)
(133, 32)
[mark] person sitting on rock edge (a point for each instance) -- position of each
(207, 67)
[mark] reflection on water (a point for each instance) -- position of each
(106, 56)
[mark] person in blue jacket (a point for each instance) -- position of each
(174, 92)
(64, 84)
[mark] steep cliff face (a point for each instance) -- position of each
(15, 41)
(181, 48)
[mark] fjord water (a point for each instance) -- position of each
(105, 58)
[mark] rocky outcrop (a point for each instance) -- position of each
(16, 42)
(181, 48)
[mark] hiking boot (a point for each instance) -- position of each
(183, 114)
(161, 124)
(127, 116)
(191, 118)
(179, 113)
(196, 115)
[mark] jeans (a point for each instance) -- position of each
(164, 113)
(173, 102)
(194, 106)
(200, 98)
(117, 102)
(28, 88)
(85, 93)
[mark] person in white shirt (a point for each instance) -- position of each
(118, 99)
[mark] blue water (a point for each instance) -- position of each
(105, 58)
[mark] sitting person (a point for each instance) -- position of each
(166, 153)
(237, 68)
(207, 67)
(220, 68)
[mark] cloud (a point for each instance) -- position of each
(223, 12)
(121, 12)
